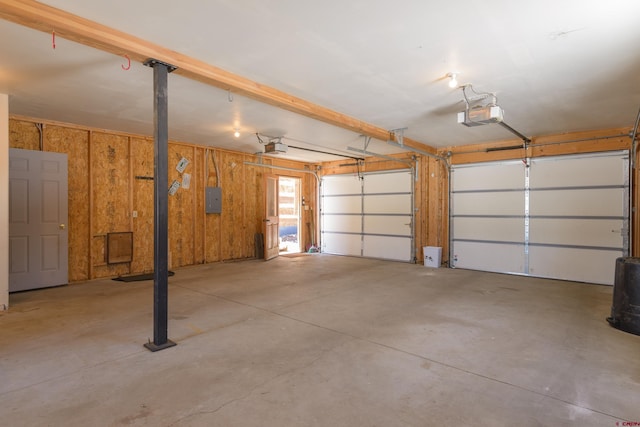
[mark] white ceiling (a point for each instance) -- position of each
(556, 66)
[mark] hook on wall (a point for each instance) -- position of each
(128, 63)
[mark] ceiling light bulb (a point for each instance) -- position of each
(236, 133)
(454, 80)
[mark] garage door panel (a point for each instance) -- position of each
(490, 203)
(342, 205)
(377, 224)
(574, 212)
(393, 248)
(564, 171)
(387, 182)
(576, 264)
(577, 232)
(591, 202)
(396, 203)
(496, 229)
(501, 258)
(371, 217)
(341, 184)
(510, 176)
(341, 244)
(342, 223)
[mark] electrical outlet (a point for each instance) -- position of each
(134, 214)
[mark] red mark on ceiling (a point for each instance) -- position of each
(128, 63)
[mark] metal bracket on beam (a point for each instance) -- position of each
(397, 135)
(151, 62)
(416, 150)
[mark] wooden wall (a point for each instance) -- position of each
(111, 178)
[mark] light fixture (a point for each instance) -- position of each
(453, 83)
(236, 133)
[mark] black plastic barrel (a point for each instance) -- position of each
(625, 310)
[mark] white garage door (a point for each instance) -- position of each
(562, 217)
(370, 215)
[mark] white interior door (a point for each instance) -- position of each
(370, 215)
(563, 217)
(38, 239)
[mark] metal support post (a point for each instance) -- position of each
(161, 207)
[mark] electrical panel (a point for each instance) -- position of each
(213, 200)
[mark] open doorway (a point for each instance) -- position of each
(289, 217)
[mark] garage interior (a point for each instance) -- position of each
(376, 213)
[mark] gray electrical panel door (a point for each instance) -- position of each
(213, 200)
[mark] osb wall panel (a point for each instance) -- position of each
(75, 143)
(310, 232)
(111, 175)
(421, 206)
(305, 215)
(212, 229)
(253, 207)
(181, 209)
(110, 184)
(232, 217)
(142, 171)
(23, 135)
(199, 211)
(436, 202)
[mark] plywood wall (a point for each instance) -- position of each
(24, 135)
(75, 143)
(111, 188)
(142, 186)
(181, 206)
(110, 210)
(212, 222)
(232, 217)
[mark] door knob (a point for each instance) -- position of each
(62, 226)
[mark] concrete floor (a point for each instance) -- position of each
(320, 340)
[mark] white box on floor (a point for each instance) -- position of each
(432, 256)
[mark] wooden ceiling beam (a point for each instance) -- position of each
(42, 17)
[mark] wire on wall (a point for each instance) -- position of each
(215, 165)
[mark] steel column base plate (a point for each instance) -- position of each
(157, 347)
